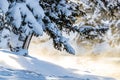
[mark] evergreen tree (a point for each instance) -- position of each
(102, 16)
(33, 17)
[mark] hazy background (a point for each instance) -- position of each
(100, 59)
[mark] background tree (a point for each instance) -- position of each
(101, 22)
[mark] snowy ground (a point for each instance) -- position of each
(13, 67)
(46, 63)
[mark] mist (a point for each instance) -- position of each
(100, 59)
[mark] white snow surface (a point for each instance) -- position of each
(16, 67)
(4, 5)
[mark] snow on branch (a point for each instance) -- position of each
(4, 5)
(58, 39)
(20, 16)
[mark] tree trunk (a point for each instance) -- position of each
(27, 41)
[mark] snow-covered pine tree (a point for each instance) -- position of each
(23, 22)
(4, 32)
(32, 17)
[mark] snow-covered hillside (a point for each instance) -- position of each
(15, 67)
